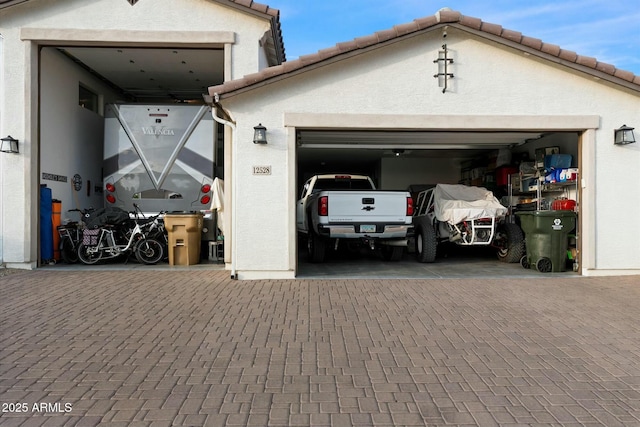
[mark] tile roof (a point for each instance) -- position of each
(441, 18)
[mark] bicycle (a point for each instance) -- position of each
(71, 235)
(111, 241)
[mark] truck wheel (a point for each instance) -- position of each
(392, 253)
(426, 244)
(510, 242)
(316, 247)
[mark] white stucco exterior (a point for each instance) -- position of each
(393, 88)
(390, 86)
(25, 27)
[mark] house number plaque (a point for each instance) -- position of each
(262, 170)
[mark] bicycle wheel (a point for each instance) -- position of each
(88, 257)
(148, 251)
(68, 252)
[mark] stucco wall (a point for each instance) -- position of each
(71, 136)
(157, 22)
(398, 79)
(400, 173)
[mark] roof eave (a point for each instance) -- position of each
(595, 73)
(305, 68)
(12, 3)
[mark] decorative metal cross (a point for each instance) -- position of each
(443, 73)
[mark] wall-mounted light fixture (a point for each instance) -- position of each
(9, 145)
(398, 152)
(624, 135)
(259, 134)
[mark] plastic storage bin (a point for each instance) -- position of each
(546, 237)
(184, 231)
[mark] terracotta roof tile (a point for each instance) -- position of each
(568, 55)
(410, 27)
(366, 41)
(605, 68)
(347, 46)
(587, 61)
(471, 22)
(512, 35)
(385, 35)
(447, 16)
(494, 29)
(551, 49)
(532, 42)
(624, 75)
(439, 19)
(426, 22)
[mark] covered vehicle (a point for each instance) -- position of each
(466, 216)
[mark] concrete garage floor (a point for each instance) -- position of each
(457, 262)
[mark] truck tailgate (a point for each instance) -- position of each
(368, 206)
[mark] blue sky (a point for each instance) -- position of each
(608, 30)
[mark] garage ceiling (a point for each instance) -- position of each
(425, 140)
(339, 147)
(153, 75)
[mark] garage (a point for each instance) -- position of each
(117, 115)
(414, 161)
(380, 105)
(445, 99)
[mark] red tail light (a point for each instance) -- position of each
(409, 206)
(205, 200)
(323, 206)
(205, 188)
(110, 189)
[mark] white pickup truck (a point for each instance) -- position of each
(335, 207)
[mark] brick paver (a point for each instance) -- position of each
(195, 348)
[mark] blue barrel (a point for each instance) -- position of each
(46, 224)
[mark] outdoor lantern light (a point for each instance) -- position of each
(624, 135)
(9, 145)
(260, 134)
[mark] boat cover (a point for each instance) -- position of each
(455, 203)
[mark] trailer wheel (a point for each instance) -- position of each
(426, 244)
(510, 242)
(316, 247)
(392, 253)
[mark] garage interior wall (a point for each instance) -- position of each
(400, 173)
(71, 137)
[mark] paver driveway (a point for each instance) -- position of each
(161, 348)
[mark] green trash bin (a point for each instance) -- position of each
(547, 239)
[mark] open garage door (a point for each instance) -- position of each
(505, 162)
(79, 87)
